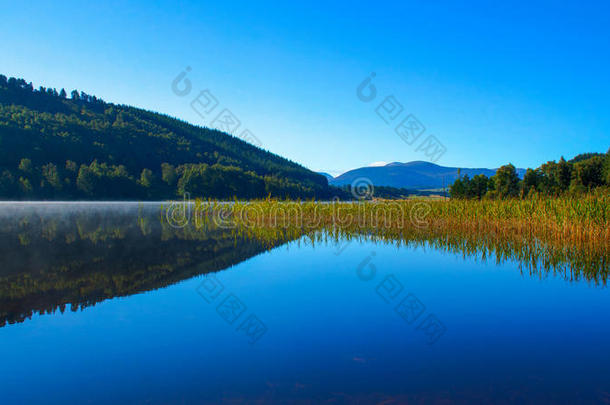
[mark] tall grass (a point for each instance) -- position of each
(566, 234)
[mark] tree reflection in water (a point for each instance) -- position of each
(55, 256)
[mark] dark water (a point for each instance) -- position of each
(109, 304)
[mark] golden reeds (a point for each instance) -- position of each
(562, 234)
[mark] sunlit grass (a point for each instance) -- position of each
(570, 235)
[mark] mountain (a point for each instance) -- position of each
(416, 175)
(55, 146)
(329, 177)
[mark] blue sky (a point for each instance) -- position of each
(494, 83)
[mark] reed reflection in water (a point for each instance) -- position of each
(59, 256)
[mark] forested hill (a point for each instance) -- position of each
(59, 146)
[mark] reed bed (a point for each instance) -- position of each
(565, 235)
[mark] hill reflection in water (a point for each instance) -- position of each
(71, 256)
(58, 257)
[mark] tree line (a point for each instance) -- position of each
(59, 146)
(584, 173)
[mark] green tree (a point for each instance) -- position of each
(589, 173)
(506, 181)
(548, 178)
(25, 186)
(606, 172)
(168, 174)
(457, 189)
(480, 184)
(7, 184)
(564, 174)
(146, 178)
(85, 181)
(25, 165)
(531, 180)
(51, 175)
(71, 166)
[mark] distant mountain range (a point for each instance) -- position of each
(417, 175)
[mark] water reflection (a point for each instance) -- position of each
(70, 256)
(58, 257)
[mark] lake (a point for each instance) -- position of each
(109, 303)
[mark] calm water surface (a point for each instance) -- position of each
(108, 304)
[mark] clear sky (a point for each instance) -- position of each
(495, 82)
